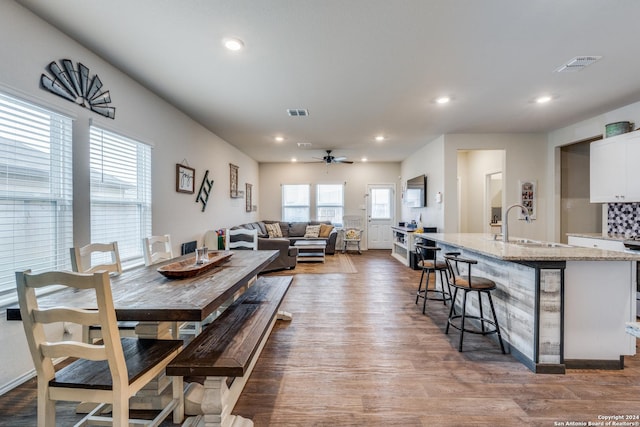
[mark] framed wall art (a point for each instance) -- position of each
(233, 181)
(528, 194)
(185, 179)
(247, 194)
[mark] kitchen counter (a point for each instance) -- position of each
(485, 244)
(558, 306)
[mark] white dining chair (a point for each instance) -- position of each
(241, 238)
(99, 257)
(99, 373)
(156, 249)
(96, 256)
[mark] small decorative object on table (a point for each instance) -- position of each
(188, 267)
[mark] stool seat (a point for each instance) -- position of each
(439, 265)
(469, 283)
(477, 283)
(427, 261)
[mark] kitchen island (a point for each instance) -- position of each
(558, 306)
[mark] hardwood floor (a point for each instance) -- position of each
(359, 352)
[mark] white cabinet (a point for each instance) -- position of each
(614, 171)
(598, 243)
(402, 245)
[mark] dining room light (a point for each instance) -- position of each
(233, 44)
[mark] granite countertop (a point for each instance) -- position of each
(485, 244)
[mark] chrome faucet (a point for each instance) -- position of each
(505, 220)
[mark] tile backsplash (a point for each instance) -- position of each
(624, 218)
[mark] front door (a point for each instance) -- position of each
(380, 215)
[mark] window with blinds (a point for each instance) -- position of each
(36, 216)
(120, 192)
(295, 202)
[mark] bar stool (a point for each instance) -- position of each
(429, 264)
(469, 283)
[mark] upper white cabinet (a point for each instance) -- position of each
(614, 169)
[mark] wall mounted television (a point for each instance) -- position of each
(416, 193)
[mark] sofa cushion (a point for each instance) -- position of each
(284, 228)
(273, 230)
(297, 229)
(312, 231)
(262, 228)
(325, 230)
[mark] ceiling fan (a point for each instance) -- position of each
(329, 159)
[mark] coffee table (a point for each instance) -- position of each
(311, 250)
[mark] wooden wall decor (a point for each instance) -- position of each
(75, 85)
(233, 181)
(205, 191)
(248, 188)
(185, 179)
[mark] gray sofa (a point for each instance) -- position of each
(291, 232)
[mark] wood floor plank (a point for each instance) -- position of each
(359, 352)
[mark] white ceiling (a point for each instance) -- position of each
(365, 67)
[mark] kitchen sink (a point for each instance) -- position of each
(537, 244)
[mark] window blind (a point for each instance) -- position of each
(36, 216)
(330, 202)
(120, 192)
(295, 202)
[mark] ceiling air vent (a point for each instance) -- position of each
(297, 112)
(577, 63)
(304, 144)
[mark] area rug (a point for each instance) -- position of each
(337, 263)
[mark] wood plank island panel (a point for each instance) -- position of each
(558, 306)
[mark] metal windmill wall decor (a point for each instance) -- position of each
(75, 85)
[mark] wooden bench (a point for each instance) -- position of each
(229, 348)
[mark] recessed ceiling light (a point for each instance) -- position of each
(543, 99)
(279, 138)
(443, 100)
(364, 159)
(233, 44)
(293, 159)
(380, 138)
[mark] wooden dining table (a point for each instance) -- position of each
(143, 294)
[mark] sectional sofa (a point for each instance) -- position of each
(291, 232)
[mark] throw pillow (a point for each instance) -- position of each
(312, 231)
(325, 230)
(352, 234)
(274, 230)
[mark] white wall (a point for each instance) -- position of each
(428, 161)
(525, 156)
(355, 177)
(28, 46)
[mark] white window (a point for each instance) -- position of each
(330, 202)
(381, 203)
(120, 192)
(295, 202)
(36, 216)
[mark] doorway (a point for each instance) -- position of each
(493, 200)
(478, 172)
(577, 214)
(380, 215)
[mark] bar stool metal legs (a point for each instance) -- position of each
(429, 264)
(466, 284)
